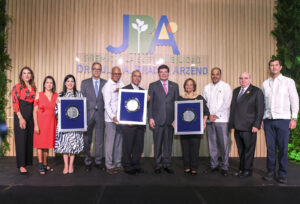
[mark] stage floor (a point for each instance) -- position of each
(99, 187)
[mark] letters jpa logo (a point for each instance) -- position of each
(138, 37)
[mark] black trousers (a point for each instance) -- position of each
(246, 142)
(133, 146)
(190, 151)
(24, 137)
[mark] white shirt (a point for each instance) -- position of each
(110, 96)
(281, 98)
(218, 97)
(135, 87)
(167, 84)
(245, 89)
(94, 81)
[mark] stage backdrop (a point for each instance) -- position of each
(60, 37)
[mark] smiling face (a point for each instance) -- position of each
(163, 74)
(189, 86)
(96, 71)
(26, 75)
(275, 68)
(116, 74)
(245, 79)
(48, 85)
(215, 75)
(136, 78)
(70, 84)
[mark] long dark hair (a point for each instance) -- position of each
(65, 87)
(31, 81)
(53, 81)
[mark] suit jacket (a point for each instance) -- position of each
(161, 105)
(129, 86)
(248, 111)
(88, 91)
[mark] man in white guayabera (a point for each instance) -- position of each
(218, 96)
(113, 143)
(281, 111)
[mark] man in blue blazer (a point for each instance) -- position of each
(163, 94)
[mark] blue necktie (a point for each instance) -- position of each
(96, 89)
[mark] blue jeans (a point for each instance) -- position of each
(277, 136)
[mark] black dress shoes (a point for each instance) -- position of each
(140, 171)
(88, 168)
(269, 176)
(157, 171)
(100, 167)
(238, 173)
(281, 179)
(131, 171)
(169, 171)
(211, 170)
(224, 172)
(245, 174)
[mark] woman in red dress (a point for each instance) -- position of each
(45, 122)
(23, 95)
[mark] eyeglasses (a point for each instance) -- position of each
(94, 69)
(117, 74)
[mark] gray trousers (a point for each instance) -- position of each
(97, 123)
(218, 137)
(113, 145)
(163, 138)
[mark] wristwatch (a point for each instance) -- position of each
(295, 119)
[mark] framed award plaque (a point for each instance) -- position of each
(72, 114)
(189, 117)
(132, 107)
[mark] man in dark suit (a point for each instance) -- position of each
(133, 135)
(91, 89)
(247, 110)
(163, 94)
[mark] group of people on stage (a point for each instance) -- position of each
(245, 109)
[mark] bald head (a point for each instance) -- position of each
(245, 79)
(116, 74)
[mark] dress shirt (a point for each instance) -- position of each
(167, 84)
(135, 87)
(218, 97)
(245, 89)
(110, 96)
(281, 98)
(94, 81)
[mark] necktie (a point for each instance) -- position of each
(240, 94)
(165, 87)
(96, 88)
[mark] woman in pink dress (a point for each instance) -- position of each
(45, 122)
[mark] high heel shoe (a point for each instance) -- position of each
(194, 173)
(65, 172)
(23, 172)
(71, 172)
(42, 170)
(187, 171)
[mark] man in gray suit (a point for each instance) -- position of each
(163, 94)
(91, 89)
